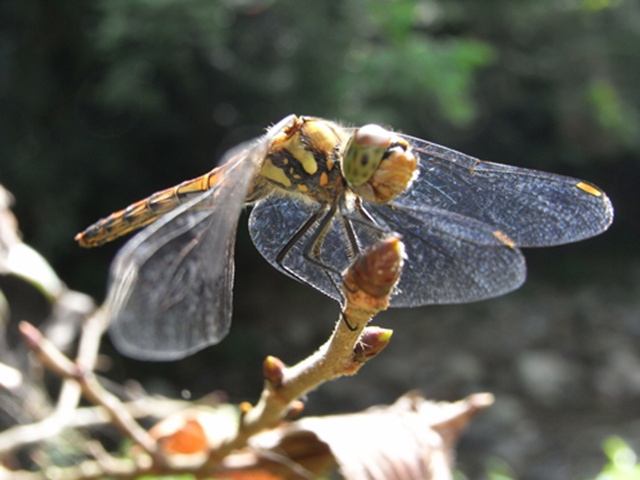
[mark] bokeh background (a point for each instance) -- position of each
(103, 102)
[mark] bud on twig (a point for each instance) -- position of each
(273, 370)
(372, 341)
(375, 272)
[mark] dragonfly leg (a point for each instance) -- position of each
(282, 254)
(318, 224)
(312, 253)
(365, 220)
(315, 242)
(344, 318)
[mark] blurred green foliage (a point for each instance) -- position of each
(106, 101)
(623, 462)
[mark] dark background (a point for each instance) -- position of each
(103, 102)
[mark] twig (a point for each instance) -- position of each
(368, 284)
(58, 363)
(90, 335)
(69, 396)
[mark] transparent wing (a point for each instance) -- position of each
(533, 208)
(272, 224)
(450, 258)
(171, 285)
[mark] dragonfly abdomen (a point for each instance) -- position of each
(144, 212)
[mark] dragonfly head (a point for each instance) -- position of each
(378, 164)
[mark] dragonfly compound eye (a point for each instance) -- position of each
(378, 165)
(364, 152)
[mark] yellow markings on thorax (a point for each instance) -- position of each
(293, 157)
(300, 152)
(330, 163)
(275, 174)
(302, 155)
(590, 189)
(501, 236)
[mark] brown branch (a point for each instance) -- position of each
(58, 363)
(367, 286)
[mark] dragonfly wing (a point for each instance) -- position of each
(171, 285)
(533, 208)
(451, 258)
(273, 223)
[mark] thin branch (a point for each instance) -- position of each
(69, 396)
(367, 285)
(58, 363)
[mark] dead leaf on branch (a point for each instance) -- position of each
(412, 439)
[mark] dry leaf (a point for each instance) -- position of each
(412, 439)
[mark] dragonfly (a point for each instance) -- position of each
(321, 193)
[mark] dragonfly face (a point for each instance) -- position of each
(377, 164)
(321, 194)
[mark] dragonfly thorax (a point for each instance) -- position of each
(305, 160)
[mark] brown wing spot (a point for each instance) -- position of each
(472, 170)
(504, 239)
(324, 179)
(590, 189)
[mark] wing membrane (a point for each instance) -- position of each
(275, 220)
(171, 285)
(533, 208)
(451, 258)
